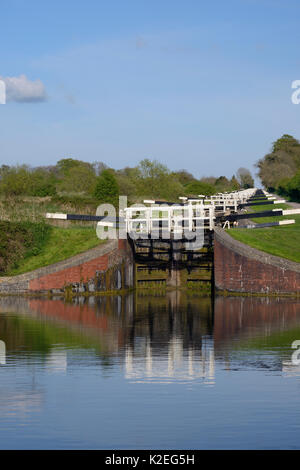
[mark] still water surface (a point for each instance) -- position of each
(165, 372)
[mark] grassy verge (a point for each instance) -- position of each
(40, 245)
(283, 241)
(269, 207)
(33, 209)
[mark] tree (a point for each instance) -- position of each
(80, 178)
(99, 167)
(184, 177)
(222, 184)
(280, 164)
(198, 187)
(106, 188)
(65, 164)
(234, 184)
(16, 181)
(293, 187)
(42, 182)
(156, 181)
(245, 178)
(285, 143)
(75, 176)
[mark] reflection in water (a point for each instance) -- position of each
(176, 336)
(177, 364)
(2, 352)
(58, 358)
(19, 404)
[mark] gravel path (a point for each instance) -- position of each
(295, 205)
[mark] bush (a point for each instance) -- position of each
(198, 187)
(293, 187)
(19, 240)
(107, 189)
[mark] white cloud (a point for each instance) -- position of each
(23, 90)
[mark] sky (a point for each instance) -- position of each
(198, 85)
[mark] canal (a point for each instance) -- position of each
(174, 371)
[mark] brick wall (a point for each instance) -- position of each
(241, 268)
(107, 267)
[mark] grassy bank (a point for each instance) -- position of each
(25, 246)
(283, 241)
(33, 209)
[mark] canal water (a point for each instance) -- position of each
(174, 371)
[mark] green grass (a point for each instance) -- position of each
(283, 241)
(268, 207)
(60, 244)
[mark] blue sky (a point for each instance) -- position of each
(199, 85)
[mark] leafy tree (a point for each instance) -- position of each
(280, 164)
(156, 181)
(198, 187)
(65, 164)
(16, 181)
(293, 187)
(99, 167)
(42, 183)
(285, 143)
(106, 188)
(80, 178)
(245, 178)
(184, 177)
(234, 184)
(76, 176)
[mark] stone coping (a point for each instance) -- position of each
(252, 253)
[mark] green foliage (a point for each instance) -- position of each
(76, 176)
(198, 187)
(21, 180)
(155, 180)
(56, 245)
(75, 184)
(20, 240)
(81, 179)
(277, 168)
(184, 177)
(42, 183)
(293, 187)
(286, 143)
(66, 164)
(245, 178)
(16, 181)
(281, 241)
(77, 202)
(106, 188)
(234, 184)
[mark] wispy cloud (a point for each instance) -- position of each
(23, 90)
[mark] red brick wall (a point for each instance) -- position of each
(81, 273)
(239, 272)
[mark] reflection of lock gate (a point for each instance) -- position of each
(2, 353)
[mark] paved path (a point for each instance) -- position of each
(295, 205)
